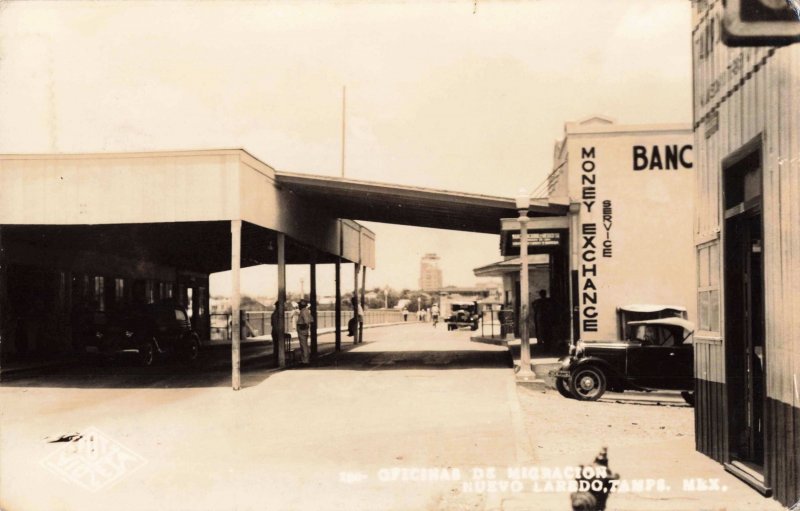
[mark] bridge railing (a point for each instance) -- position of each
(258, 323)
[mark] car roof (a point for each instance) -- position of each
(686, 325)
(648, 307)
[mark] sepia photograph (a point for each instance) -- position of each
(399, 255)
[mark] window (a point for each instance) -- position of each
(179, 315)
(708, 286)
(99, 295)
(119, 291)
(189, 301)
(201, 301)
(149, 291)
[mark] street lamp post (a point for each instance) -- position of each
(523, 203)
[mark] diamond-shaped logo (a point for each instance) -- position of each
(93, 461)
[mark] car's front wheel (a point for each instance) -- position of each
(587, 383)
(562, 386)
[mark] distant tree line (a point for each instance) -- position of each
(377, 298)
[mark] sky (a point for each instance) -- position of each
(459, 96)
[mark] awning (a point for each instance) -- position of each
(501, 268)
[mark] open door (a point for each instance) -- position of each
(744, 315)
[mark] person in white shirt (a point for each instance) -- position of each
(304, 321)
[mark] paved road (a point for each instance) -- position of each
(413, 397)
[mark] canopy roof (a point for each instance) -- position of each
(407, 205)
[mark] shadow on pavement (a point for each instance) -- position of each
(213, 369)
(537, 352)
(387, 360)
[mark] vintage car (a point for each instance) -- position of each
(149, 331)
(656, 354)
(463, 315)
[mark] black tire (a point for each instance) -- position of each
(562, 386)
(147, 353)
(193, 350)
(688, 396)
(587, 383)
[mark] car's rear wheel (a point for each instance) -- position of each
(562, 386)
(147, 353)
(587, 383)
(193, 350)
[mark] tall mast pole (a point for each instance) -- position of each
(344, 109)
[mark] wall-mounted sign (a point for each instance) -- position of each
(538, 239)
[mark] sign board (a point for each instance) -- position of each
(538, 239)
(761, 22)
(539, 242)
(545, 234)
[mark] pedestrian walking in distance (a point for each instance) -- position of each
(435, 314)
(304, 321)
(405, 314)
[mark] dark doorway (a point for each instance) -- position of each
(744, 306)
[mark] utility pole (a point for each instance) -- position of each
(344, 125)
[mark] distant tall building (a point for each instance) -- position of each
(430, 276)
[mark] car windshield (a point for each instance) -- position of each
(655, 335)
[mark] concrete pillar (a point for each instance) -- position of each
(312, 298)
(356, 270)
(338, 305)
(236, 252)
(280, 349)
(363, 304)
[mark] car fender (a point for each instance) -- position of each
(611, 373)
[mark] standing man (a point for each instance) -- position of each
(304, 320)
(405, 314)
(435, 314)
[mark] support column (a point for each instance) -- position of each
(280, 349)
(236, 252)
(313, 299)
(363, 304)
(524, 301)
(338, 305)
(5, 337)
(357, 268)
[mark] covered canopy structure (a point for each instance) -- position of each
(110, 229)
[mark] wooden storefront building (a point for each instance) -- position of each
(747, 238)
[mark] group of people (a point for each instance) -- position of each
(301, 319)
(424, 314)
